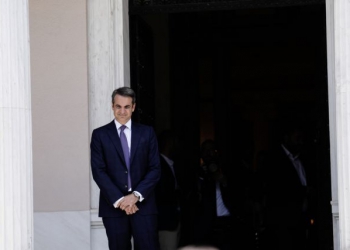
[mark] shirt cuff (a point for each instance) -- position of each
(117, 202)
(140, 195)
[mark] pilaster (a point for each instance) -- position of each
(338, 38)
(16, 196)
(108, 65)
(108, 52)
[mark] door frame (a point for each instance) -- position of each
(108, 64)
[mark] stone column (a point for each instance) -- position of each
(16, 196)
(338, 39)
(108, 49)
(108, 58)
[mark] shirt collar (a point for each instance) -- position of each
(170, 162)
(118, 125)
(289, 154)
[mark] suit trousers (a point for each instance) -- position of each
(143, 229)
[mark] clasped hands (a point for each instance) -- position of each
(128, 204)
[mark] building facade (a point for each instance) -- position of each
(59, 62)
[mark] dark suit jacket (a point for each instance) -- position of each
(284, 193)
(167, 199)
(110, 172)
(205, 217)
(231, 192)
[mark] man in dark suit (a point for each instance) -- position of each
(168, 194)
(125, 165)
(286, 183)
(217, 219)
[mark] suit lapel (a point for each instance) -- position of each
(135, 139)
(113, 134)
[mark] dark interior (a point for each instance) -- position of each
(233, 76)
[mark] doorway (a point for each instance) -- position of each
(234, 76)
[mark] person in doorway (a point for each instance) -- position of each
(168, 194)
(125, 166)
(217, 220)
(287, 186)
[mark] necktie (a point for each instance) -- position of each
(125, 147)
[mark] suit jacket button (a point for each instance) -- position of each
(126, 186)
(126, 172)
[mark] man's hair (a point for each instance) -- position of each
(126, 92)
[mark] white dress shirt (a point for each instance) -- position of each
(297, 165)
(221, 209)
(127, 132)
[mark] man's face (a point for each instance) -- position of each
(123, 108)
(209, 154)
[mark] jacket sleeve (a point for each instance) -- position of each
(98, 168)
(152, 176)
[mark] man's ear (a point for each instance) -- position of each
(133, 107)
